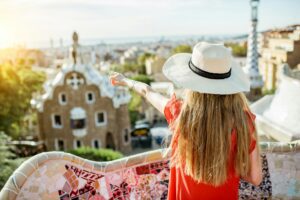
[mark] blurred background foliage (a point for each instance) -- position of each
(135, 67)
(238, 50)
(9, 161)
(137, 71)
(135, 104)
(96, 154)
(18, 83)
(183, 48)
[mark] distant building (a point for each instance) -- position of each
(130, 56)
(154, 65)
(81, 108)
(279, 46)
(163, 51)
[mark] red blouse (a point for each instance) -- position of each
(182, 186)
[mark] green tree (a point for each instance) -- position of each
(141, 62)
(134, 107)
(8, 161)
(269, 92)
(183, 48)
(129, 67)
(143, 78)
(237, 49)
(142, 58)
(17, 84)
(135, 103)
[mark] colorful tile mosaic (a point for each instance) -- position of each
(61, 176)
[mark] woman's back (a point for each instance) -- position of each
(183, 186)
(214, 140)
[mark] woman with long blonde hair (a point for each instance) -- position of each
(214, 141)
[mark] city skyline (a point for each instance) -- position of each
(30, 21)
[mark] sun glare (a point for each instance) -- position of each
(4, 38)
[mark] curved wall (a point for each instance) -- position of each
(58, 175)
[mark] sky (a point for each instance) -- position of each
(32, 21)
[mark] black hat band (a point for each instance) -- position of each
(206, 74)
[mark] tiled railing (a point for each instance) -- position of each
(57, 175)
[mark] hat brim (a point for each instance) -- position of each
(177, 70)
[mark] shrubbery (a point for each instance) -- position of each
(8, 161)
(269, 92)
(7, 168)
(96, 154)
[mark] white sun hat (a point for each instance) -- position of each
(209, 69)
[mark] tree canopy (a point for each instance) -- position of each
(17, 84)
(143, 78)
(142, 58)
(183, 48)
(237, 49)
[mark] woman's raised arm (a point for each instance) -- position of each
(155, 98)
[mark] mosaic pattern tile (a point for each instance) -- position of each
(61, 176)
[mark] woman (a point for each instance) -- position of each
(214, 141)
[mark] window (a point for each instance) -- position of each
(56, 121)
(59, 145)
(90, 97)
(78, 118)
(77, 123)
(96, 144)
(62, 98)
(100, 118)
(77, 144)
(126, 136)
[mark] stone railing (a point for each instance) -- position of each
(58, 175)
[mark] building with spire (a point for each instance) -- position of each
(251, 69)
(81, 108)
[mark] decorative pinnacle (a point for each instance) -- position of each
(75, 45)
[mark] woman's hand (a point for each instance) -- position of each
(156, 99)
(117, 79)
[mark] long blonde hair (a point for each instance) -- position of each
(205, 124)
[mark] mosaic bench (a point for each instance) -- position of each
(62, 176)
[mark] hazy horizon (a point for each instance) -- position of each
(33, 21)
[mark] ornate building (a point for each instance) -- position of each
(251, 69)
(81, 108)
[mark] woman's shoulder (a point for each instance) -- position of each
(172, 108)
(251, 120)
(250, 114)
